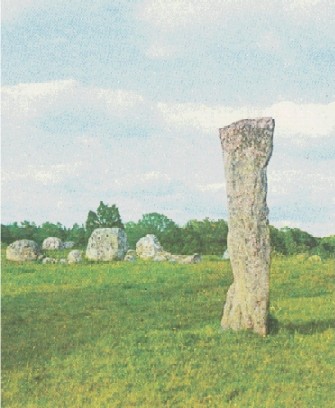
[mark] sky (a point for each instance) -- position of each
(121, 101)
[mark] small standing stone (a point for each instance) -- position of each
(68, 244)
(107, 244)
(52, 243)
(75, 256)
(149, 247)
(48, 260)
(247, 148)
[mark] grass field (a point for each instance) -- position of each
(148, 335)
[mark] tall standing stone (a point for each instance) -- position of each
(247, 148)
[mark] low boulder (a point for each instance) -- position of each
(52, 243)
(107, 244)
(23, 250)
(130, 256)
(75, 256)
(162, 256)
(191, 259)
(68, 244)
(149, 247)
(185, 259)
(48, 260)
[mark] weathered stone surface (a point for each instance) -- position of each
(63, 261)
(52, 243)
(49, 260)
(23, 250)
(190, 259)
(148, 247)
(162, 256)
(130, 256)
(68, 244)
(75, 256)
(107, 244)
(247, 147)
(185, 259)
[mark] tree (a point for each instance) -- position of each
(277, 239)
(109, 216)
(49, 229)
(166, 230)
(207, 237)
(92, 223)
(77, 235)
(134, 233)
(326, 247)
(6, 235)
(105, 217)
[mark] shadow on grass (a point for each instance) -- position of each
(310, 327)
(273, 324)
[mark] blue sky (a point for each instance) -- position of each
(121, 101)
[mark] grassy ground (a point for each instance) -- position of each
(148, 335)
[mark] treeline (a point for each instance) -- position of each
(206, 237)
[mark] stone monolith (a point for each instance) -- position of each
(107, 244)
(53, 243)
(148, 247)
(247, 148)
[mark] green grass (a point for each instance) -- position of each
(148, 335)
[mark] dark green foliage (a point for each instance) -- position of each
(92, 223)
(29, 230)
(166, 230)
(326, 247)
(105, 217)
(288, 241)
(49, 229)
(77, 234)
(206, 237)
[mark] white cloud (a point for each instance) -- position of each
(35, 99)
(160, 51)
(29, 100)
(117, 100)
(308, 120)
(174, 14)
(12, 9)
(43, 174)
(303, 119)
(176, 169)
(212, 187)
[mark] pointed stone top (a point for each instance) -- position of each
(260, 123)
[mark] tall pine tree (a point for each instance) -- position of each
(105, 217)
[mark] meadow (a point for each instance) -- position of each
(148, 334)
